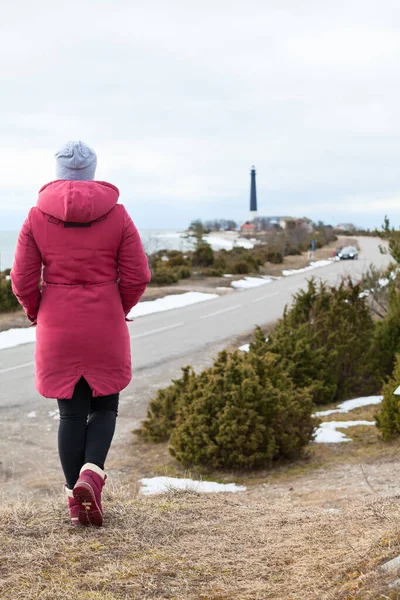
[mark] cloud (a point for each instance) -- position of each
(180, 99)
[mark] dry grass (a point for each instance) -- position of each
(15, 319)
(149, 459)
(184, 546)
(363, 413)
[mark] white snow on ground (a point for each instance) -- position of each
(312, 265)
(221, 240)
(54, 414)
(383, 282)
(244, 348)
(160, 485)
(168, 303)
(171, 235)
(251, 282)
(225, 241)
(15, 337)
(32, 414)
(345, 407)
(327, 432)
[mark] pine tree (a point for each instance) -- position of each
(325, 341)
(388, 418)
(161, 414)
(387, 335)
(244, 412)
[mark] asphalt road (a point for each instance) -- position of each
(161, 344)
(160, 338)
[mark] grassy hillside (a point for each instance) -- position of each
(184, 546)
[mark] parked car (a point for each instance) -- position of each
(348, 253)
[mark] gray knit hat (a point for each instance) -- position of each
(76, 161)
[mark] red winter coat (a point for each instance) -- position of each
(94, 270)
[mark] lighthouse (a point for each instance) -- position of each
(253, 195)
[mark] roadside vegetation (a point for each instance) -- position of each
(249, 416)
(8, 301)
(187, 546)
(251, 410)
(271, 247)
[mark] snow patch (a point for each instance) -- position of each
(244, 348)
(161, 485)
(345, 407)
(169, 303)
(16, 337)
(313, 265)
(327, 432)
(32, 414)
(54, 414)
(384, 282)
(225, 241)
(172, 235)
(251, 282)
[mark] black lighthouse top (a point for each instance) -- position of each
(253, 191)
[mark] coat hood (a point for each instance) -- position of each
(77, 201)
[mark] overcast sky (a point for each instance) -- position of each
(179, 99)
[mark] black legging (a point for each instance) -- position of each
(86, 430)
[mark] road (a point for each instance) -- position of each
(161, 343)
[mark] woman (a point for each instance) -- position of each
(86, 251)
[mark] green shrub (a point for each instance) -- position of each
(325, 341)
(5, 273)
(164, 275)
(8, 301)
(387, 335)
(275, 257)
(184, 272)
(240, 267)
(203, 255)
(211, 272)
(388, 417)
(177, 259)
(161, 414)
(220, 265)
(293, 251)
(243, 265)
(243, 412)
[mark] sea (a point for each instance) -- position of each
(152, 239)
